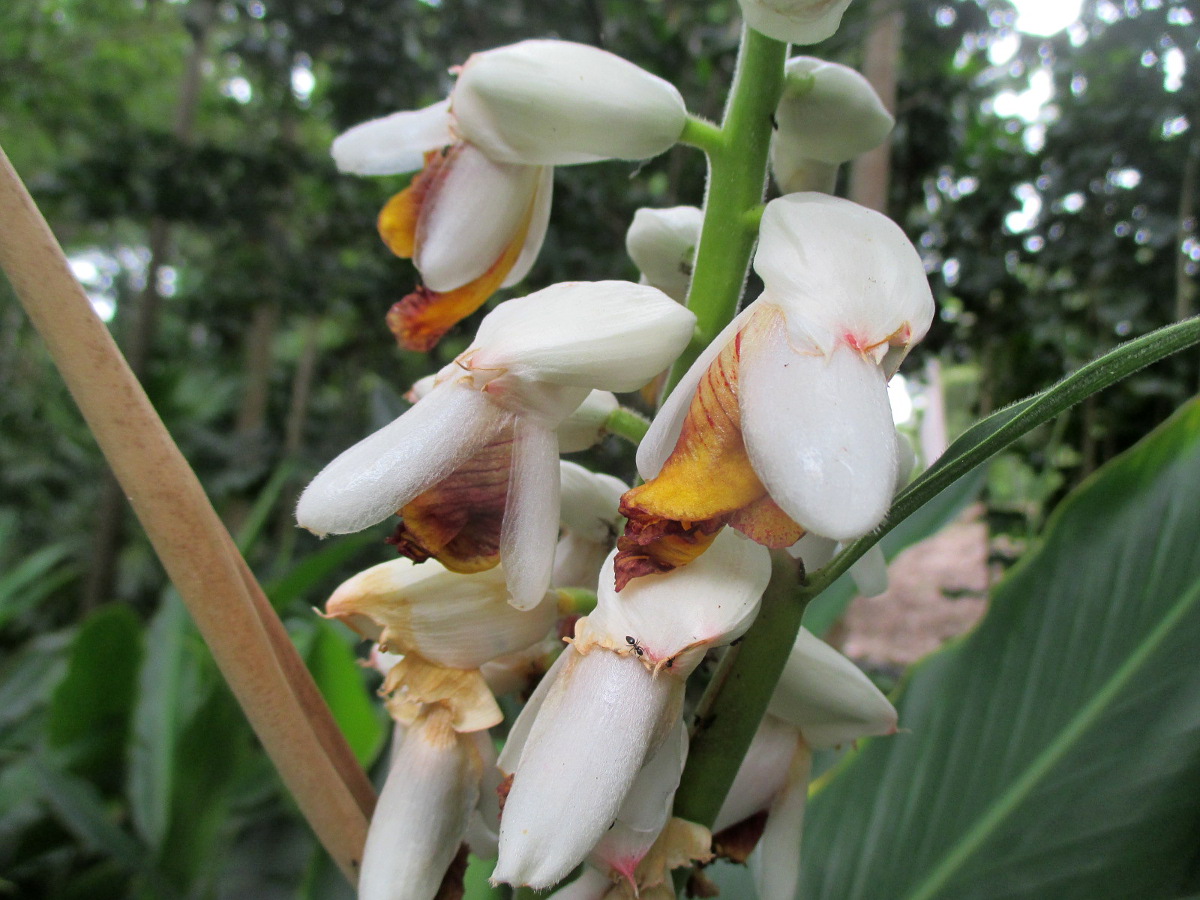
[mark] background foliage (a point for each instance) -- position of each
(180, 151)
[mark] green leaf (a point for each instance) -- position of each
(264, 503)
(1055, 751)
(28, 676)
(340, 680)
(79, 808)
(943, 509)
(206, 758)
(91, 708)
(26, 584)
(316, 566)
(167, 690)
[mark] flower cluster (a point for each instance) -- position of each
(523, 574)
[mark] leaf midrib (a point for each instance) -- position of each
(1054, 752)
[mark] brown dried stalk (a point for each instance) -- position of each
(247, 639)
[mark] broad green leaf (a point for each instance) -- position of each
(167, 689)
(925, 522)
(214, 740)
(317, 566)
(1055, 751)
(340, 679)
(90, 711)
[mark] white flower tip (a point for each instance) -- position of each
(829, 698)
(795, 21)
(393, 144)
(828, 112)
(547, 102)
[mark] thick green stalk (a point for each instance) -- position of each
(738, 695)
(737, 159)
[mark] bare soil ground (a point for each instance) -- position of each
(936, 591)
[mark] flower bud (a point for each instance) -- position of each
(662, 244)
(423, 811)
(794, 21)
(828, 115)
(592, 730)
(827, 697)
(545, 102)
(585, 427)
(455, 620)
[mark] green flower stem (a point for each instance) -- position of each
(627, 424)
(577, 600)
(702, 134)
(737, 159)
(737, 696)
(989, 436)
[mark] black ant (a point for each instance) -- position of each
(637, 648)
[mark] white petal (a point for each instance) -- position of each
(819, 434)
(710, 601)
(662, 244)
(611, 335)
(869, 572)
(539, 221)
(827, 697)
(647, 806)
(795, 21)
(530, 528)
(470, 217)
(589, 501)
(814, 551)
(775, 863)
(584, 428)
(383, 472)
(602, 718)
(794, 172)
(483, 829)
(592, 884)
(762, 773)
(455, 620)
(664, 431)
(841, 271)
(544, 102)
(517, 671)
(829, 112)
(422, 813)
(395, 143)
(578, 561)
(514, 745)
(646, 809)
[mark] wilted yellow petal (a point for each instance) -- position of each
(680, 843)
(414, 684)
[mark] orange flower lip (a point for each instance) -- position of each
(410, 224)
(706, 483)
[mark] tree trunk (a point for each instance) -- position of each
(143, 321)
(251, 426)
(870, 173)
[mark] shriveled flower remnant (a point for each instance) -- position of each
(590, 599)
